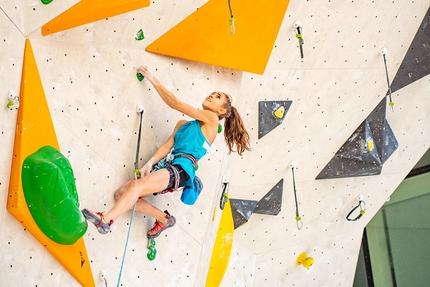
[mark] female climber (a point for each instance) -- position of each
(190, 141)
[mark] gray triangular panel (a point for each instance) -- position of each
(242, 210)
(389, 143)
(358, 156)
(271, 203)
(416, 63)
(266, 118)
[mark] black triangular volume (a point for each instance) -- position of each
(354, 158)
(267, 120)
(416, 63)
(271, 203)
(366, 150)
(241, 210)
(384, 139)
(389, 143)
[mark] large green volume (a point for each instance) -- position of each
(50, 191)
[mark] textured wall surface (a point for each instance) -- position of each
(88, 74)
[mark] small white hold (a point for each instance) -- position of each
(12, 95)
(13, 100)
(293, 164)
(297, 24)
(140, 109)
(384, 51)
(103, 275)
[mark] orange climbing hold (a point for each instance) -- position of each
(88, 11)
(34, 129)
(205, 35)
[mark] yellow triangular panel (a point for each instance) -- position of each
(34, 129)
(222, 248)
(205, 36)
(88, 11)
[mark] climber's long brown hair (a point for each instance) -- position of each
(234, 129)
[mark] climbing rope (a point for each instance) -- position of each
(136, 176)
(299, 221)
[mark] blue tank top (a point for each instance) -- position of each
(189, 139)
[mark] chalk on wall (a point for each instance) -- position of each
(366, 150)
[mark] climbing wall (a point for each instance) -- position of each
(88, 73)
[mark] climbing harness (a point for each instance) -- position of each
(362, 205)
(190, 192)
(166, 162)
(391, 103)
(231, 21)
(137, 175)
(299, 221)
(298, 30)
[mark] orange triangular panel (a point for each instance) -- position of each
(205, 36)
(88, 11)
(34, 129)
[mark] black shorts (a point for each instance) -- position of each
(178, 176)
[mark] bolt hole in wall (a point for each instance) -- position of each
(395, 247)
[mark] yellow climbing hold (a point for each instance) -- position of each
(304, 260)
(279, 113)
(370, 145)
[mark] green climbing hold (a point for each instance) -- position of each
(139, 35)
(152, 252)
(46, 1)
(137, 172)
(50, 192)
(140, 77)
(10, 104)
(391, 103)
(219, 128)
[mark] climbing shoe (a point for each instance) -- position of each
(159, 227)
(98, 220)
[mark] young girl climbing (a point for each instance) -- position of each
(190, 141)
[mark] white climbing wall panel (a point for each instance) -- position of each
(88, 74)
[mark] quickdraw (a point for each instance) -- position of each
(299, 221)
(362, 205)
(391, 103)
